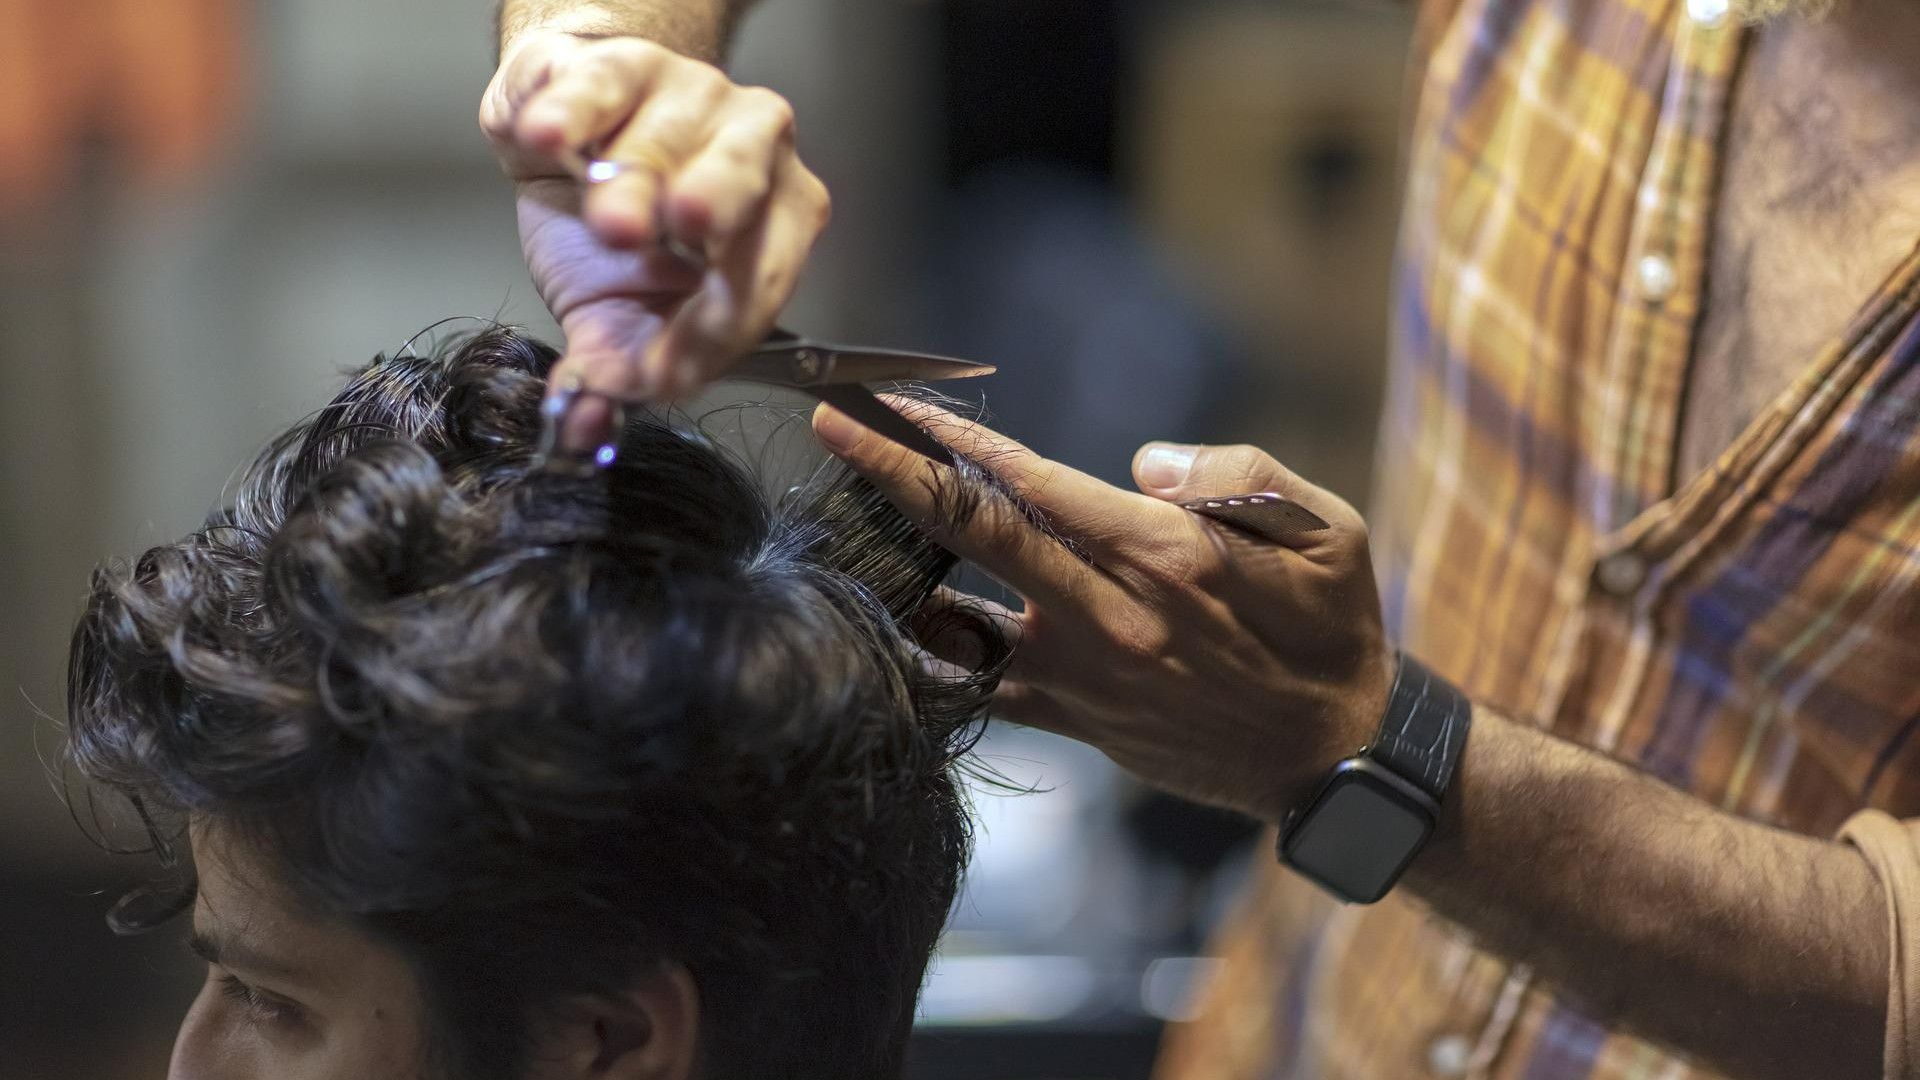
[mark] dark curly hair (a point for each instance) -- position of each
(541, 731)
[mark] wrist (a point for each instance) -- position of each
(697, 30)
(1350, 726)
(1373, 812)
(1499, 771)
(556, 34)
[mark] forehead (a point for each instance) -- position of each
(247, 915)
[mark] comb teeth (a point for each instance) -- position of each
(1263, 513)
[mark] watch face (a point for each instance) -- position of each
(1359, 832)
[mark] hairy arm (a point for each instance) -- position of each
(701, 29)
(1759, 950)
(1236, 671)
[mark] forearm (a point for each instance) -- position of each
(698, 28)
(1759, 950)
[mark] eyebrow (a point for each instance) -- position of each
(239, 956)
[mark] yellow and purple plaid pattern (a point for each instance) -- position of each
(1751, 634)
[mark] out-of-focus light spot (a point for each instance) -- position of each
(1708, 13)
(1170, 987)
(1006, 989)
(604, 456)
(599, 172)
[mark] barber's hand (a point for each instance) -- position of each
(706, 162)
(1224, 667)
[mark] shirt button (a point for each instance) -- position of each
(1621, 573)
(1707, 13)
(1448, 1054)
(1657, 278)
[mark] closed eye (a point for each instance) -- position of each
(262, 1008)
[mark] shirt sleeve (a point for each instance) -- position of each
(1893, 850)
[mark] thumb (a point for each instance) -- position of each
(577, 422)
(587, 385)
(1181, 472)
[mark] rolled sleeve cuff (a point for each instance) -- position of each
(1890, 848)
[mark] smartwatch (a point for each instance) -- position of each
(1375, 810)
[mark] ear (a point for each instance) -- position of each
(651, 1032)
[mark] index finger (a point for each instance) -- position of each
(590, 98)
(1033, 552)
(1105, 520)
(524, 69)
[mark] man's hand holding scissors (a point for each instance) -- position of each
(673, 151)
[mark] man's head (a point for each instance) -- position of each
(496, 774)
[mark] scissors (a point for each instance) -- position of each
(835, 374)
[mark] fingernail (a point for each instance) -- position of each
(837, 429)
(1165, 465)
(588, 431)
(553, 417)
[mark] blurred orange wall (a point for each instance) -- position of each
(159, 82)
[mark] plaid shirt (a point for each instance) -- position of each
(1751, 634)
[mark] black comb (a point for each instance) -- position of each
(1265, 514)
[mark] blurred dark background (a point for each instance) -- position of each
(1160, 219)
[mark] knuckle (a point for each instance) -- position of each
(620, 62)
(819, 200)
(1350, 519)
(749, 188)
(629, 53)
(1358, 543)
(1169, 570)
(701, 77)
(776, 110)
(571, 110)
(526, 129)
(740, 159)
(611, 95)
(671, 119)
(1141, 639)
(1242, 461)
(1173, 564)
(1212, 576)
(597, 62)
(495, 122)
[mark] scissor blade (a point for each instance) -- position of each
(859, 403)
(863, 365)
(798, 362)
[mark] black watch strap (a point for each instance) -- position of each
(1424, 729)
